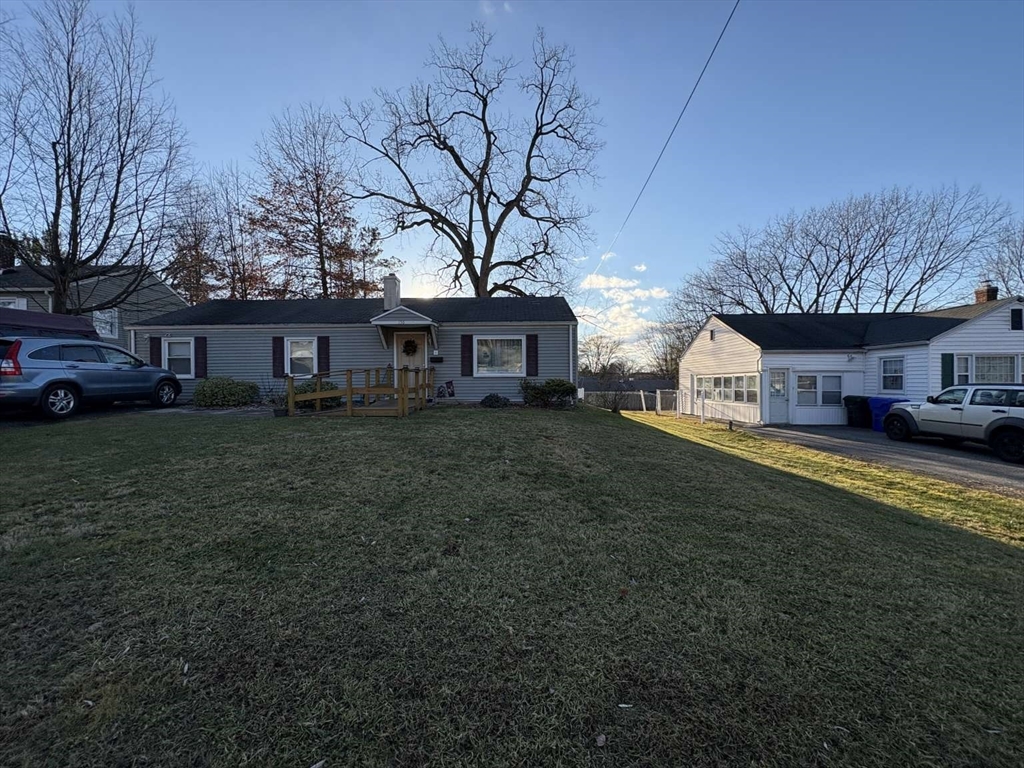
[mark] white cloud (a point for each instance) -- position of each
(608, 255)
(507, 6)
(420, 285)
(488, 8)
(602, 282)
(641, 267)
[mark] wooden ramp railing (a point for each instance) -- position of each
(366, 392)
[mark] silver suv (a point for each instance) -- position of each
(983, 413)
(59, 375)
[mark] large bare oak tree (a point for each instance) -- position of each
(495, 188)
(90, 147)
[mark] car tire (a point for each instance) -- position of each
(165, 394)
(897, 428)
(1008, 445)
(60, 401)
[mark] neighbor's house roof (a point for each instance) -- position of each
(849, 331)
(530, 309)
(27, 279)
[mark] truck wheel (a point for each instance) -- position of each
(896, 428)
(59, 401)
(1008, 444)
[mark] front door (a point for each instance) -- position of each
(129, 380)
(410, 352)
(778, 396)
(944, 416)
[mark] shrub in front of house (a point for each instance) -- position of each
(309, 386)
(553, 393)
(495, 400)
(222, 392)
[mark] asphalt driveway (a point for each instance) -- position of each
(968, 464)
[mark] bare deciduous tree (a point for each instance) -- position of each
(193, 270)
(496, 190)
(90, 150)
(896, 251)
(243, 269)
(662, 345)
(599, 353)
(304, 212)
(1005, 266)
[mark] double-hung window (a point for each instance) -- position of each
(963, 370)
(300, 357)
(105, 322)
(179, 356)
(752, 389)
(892, 374)
(12, 302)
(499, 355)
(819, 389)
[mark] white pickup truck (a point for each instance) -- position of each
(983, 413)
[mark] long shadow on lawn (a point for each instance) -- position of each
(584, 575)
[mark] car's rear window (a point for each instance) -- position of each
(80, 354)
(46, 353)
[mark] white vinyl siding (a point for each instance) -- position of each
(915, 371)
(987, 336)
(836, 374)
(728, 355)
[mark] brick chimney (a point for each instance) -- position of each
(986, 292)
(8, 247)
(392, 291)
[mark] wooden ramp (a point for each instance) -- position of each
(367, 392)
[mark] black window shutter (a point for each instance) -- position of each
(323, 354)
(155, 351)
(947, 370)
(1017, 319)
(531, 355)
(199, 347)
(467, 354)
(278, 356)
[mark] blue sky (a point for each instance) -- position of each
(805, 102)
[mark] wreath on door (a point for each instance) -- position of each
(410, 347)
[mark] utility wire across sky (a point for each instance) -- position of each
(661, 154)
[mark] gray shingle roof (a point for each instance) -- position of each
(848, 331)
(532, 309)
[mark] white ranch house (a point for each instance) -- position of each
(797, 368)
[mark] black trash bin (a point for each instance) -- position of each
(858, 413)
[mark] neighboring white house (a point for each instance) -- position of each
(797, 368)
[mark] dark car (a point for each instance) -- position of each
(59, 375)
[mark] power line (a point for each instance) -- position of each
(665, 145)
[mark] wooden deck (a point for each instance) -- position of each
(367, 392)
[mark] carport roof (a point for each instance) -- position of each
(817, 331)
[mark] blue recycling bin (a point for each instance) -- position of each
(879, 407)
